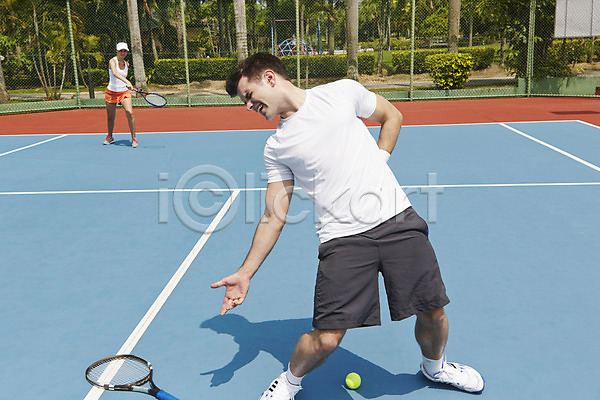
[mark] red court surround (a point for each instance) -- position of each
(234, 118)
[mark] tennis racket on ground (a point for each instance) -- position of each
(153, 99)
(127, 373)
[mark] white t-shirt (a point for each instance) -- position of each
(330, 153)
(114, 84)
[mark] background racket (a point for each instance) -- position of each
(125, 372)
(154, 99)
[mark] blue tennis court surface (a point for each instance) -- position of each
(108, 249)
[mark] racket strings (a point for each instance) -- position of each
(155, 99)
(120, 372)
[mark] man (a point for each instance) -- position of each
(366, 224)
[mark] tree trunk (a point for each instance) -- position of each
(4, 97)
(330, 29)
(453, 25)
(150, 23)
(352, 38)
(179, 28)
(228, 28)
(381, 29)
(239, 11)
(502, 49)
(221, 30)
(40, 72)
(136, 45)
(272, 6)
(471, 31)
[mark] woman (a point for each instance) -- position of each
(118, 92)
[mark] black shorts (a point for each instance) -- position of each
(347, 290)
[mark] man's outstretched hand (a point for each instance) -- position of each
(236, 289)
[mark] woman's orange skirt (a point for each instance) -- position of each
(116, 97)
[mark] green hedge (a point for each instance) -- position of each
(575, 50)
(395, 44)
(172, 71)
(328, 66)
(401, 60)
(449, 70)
(99, 76)
(482, 58)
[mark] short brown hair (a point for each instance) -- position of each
(252, 67)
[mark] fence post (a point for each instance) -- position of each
(298, 43)
(73, 55)
(185, 55)
(530, 45)
(412, 50)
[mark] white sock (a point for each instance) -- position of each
(433, 366)
(294, 380)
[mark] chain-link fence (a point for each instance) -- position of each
(54, 53)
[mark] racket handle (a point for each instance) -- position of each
(162, 395)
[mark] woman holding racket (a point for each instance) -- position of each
(118, 92)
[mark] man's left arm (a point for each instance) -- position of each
(390, 119)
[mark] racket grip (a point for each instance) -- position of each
(162, 395)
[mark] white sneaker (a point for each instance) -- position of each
(280, 389)
(458, 375)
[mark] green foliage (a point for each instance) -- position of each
(546, 59)
(99, 76)
(575, 51)
(401, 60)
(550, 64)
(482, 58)
(395, 44)
(18, 72)
(436, 24)
(172, 71)
(366, 63)
(449, 70)
(329, 66)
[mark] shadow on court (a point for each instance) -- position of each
(278, 338)
(126, 143)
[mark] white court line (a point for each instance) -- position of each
(449, 186)
(481, 123)
(112, 191)
(502, 185)
(137, 333)
(273, 129)
(589, 124)
(548, 145)
(32, 145)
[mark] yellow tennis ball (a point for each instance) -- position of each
(353, 380)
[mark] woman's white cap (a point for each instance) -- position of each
(122, 46)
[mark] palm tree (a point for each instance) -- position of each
(4, 97)
(352, 38)
(136, 45)
(453, 25)
(330, 16)
(382, 30)
(239, 10)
